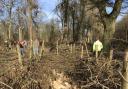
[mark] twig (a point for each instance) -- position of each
(6, 85)
(120, 40)
(88, 85)
(34, 80)
(25, 85)
(90, 71)
(123, 77)
(29, 83)
(103, 86)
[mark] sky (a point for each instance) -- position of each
(109, 10)
(47, 7)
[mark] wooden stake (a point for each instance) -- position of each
(20, 34)
(57, 50)
(86, 49)
(43, 45)
(125, 71)
(71, 48)
(19, 56)
(68, 45)
(82, 51)
(111, 55)
(9, 31)
(31, 47)
(74, 47)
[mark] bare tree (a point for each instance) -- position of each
(31, 5)
(108, 20)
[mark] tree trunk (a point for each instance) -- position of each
(30, 31)
(108, 33)
(66, 12)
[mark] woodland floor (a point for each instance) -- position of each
(86, 73)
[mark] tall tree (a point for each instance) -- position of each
(31, 5)
(108, 20)
(72, 16)
(77, 12)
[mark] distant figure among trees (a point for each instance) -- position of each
(21, 45)
(97, 46)
(36, 47)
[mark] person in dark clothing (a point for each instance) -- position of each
(21, 47)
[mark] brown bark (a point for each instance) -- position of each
(30, 29)
(108, 33)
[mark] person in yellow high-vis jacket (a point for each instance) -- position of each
(97, 47)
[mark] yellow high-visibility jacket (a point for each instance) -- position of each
(97, 46)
